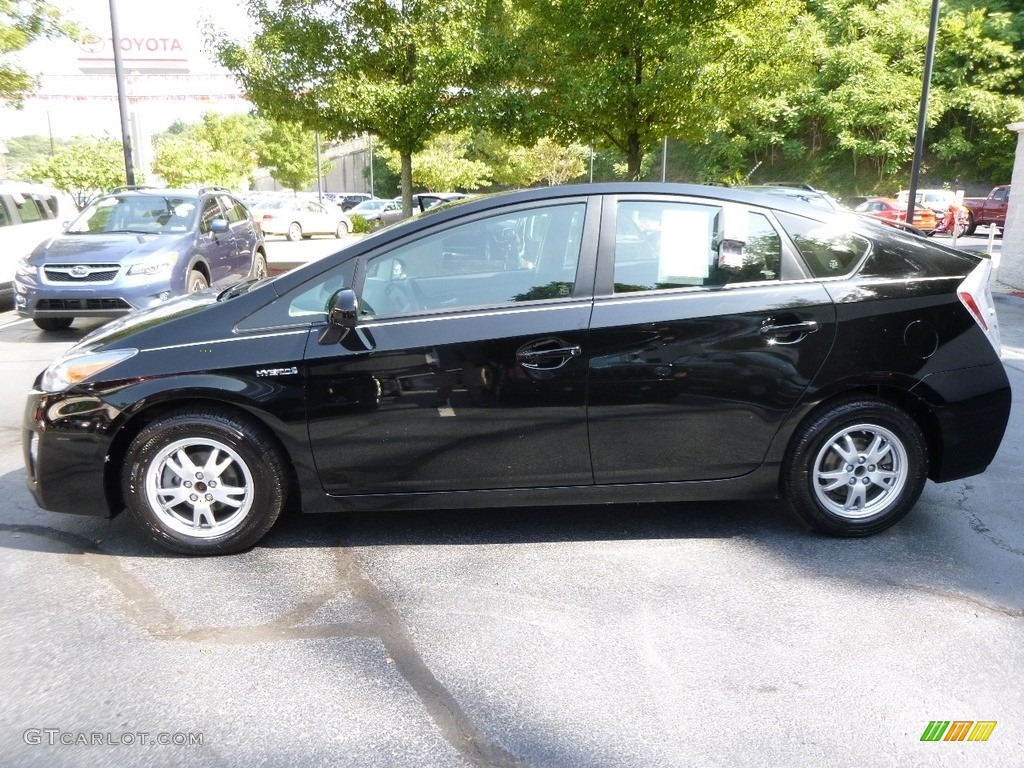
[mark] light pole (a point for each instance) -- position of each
(122, 99)
(929, 60)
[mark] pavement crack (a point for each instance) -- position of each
(1013, 613)
(963, 494)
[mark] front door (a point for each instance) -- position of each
(468, 368)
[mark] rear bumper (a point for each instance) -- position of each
(971, 420)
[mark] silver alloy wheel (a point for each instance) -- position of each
(860, 471)
(294, 231)
(197, 283)
(199, 487)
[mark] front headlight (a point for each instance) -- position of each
(24, 269)
(66, 371)
(154, 266)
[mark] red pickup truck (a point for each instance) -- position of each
(987, 210)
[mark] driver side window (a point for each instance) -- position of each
(526, 255)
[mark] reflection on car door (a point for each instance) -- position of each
(468, 369)
(702, 340)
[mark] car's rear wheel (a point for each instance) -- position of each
(259, 267)
(972, 225)
(342, 229)
(294, 231)
(855, 468)
(197, 281)
(53, 323)
(204, 482)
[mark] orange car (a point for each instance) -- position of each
(894, 212)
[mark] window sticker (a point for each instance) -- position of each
(684, 245)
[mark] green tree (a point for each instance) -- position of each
(398, 69)
(625, 75)
(23, 150)
(443, 165)
(289, 151)
(185, 160)
(82, 168)
(21, 22)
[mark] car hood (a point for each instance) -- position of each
(126, 325)
(107, 248)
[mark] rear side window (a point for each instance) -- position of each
(5, 215)
(29, 209)
(829, 250)
(663, 245)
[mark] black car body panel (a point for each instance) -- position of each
(578, 389)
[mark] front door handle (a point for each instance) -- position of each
(546, 355)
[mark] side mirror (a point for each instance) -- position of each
(219, 225)
(342, 316)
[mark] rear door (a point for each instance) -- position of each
(467, 370)
(706, 332)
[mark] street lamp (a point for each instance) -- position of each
(122, 100)
(929, 60)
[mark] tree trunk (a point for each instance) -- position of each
(634, 157)
(406, 183)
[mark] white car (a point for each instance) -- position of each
(297, 218)
(29, 214)
(938, 200)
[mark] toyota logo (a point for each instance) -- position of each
(79, 271)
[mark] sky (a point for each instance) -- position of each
(171, 75)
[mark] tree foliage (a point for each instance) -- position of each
(626, 75)
(82, 168)
(217, 150)
(443, 165)
(398, 69)
(21, 22)
(289, 151)
(24, 150)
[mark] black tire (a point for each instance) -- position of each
(294, 231)
(972, 225)
(53, 323)
(197, 281)
(226, 451)
(259, 267)
(886, 489)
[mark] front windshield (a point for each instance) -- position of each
(141, 214)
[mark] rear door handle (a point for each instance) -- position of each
(787, 333)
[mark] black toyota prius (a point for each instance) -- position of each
(567, 345)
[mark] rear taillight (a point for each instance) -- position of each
(975, 293)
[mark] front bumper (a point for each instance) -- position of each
(112, 300)
(65, 439)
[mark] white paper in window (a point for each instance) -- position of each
(684, 245)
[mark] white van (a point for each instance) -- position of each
(29, 214)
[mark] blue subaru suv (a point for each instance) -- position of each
(136, 248)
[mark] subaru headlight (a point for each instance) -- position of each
(66, 371)
(24, 269)
(164, 262)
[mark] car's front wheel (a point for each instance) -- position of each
(972, 225)
(856, 468)
(197, 281)
(294, 231)
(53, 323)
(259, 267)
(342, 229)
(204, 482)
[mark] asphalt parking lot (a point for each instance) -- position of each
(636, 635)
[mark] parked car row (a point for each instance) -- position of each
(566, 345)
